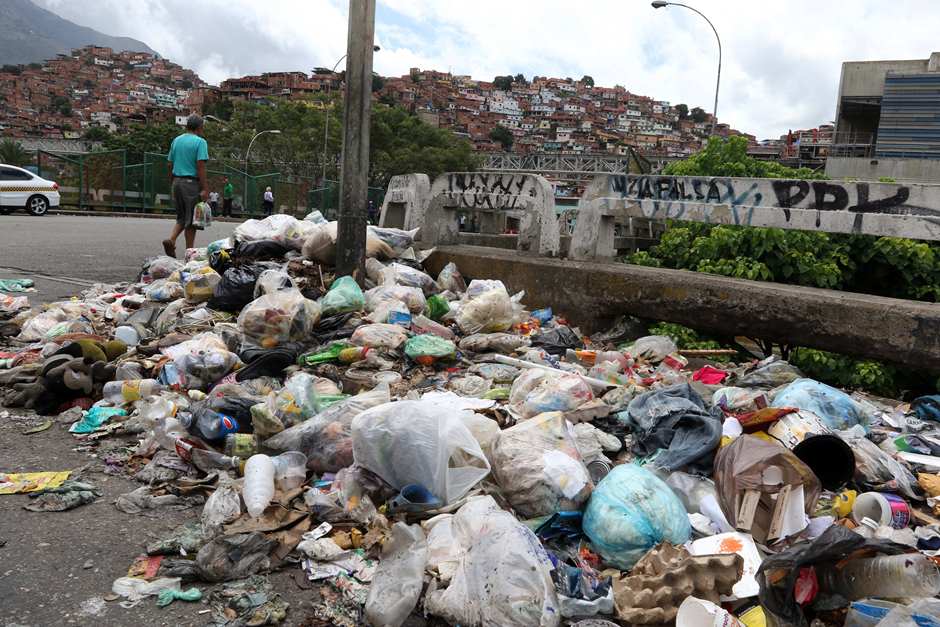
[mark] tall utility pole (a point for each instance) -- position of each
(357, 110)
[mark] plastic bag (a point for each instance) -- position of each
(769, 373)
(271, 281)
(426, 349)
(260, 249)
(536, 391)
(539, 468)
(652, 348)
(344, 296)
(278, 318)
(630, 512)
(400, 274)
(557, 341)
(398, 239)
(739, 400)
(160, 267)
(320, 245)
(316, 217)
(198, 286)
(506, 343)
(302, 397)
(163, 291)
(837, 409)
(222, 507)
(451, 280)
(202, 216)
(503, 576)
(237, 288)
(876, 469)
(399, 577)
(326, 439)
(380, 296)
(490, 311)
(379, 336)
(443, 456)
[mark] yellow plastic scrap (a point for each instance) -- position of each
(22, 482)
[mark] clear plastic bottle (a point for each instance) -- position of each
(258, 489)
(885, 577)
(207, 424)
(120, 392)
(207, 460)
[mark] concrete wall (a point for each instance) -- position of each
(867, 78)
(591, 294)
(868, 169)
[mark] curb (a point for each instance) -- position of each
(121, 214)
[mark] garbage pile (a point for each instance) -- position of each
(418, 444)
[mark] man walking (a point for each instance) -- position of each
(268, 203)
(186, 162)
(228, 192)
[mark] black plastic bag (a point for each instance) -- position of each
(558, 340)
(260, 249)
(237, 288)
(238, 407)
(782, 569)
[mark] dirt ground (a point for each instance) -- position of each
(55, 567)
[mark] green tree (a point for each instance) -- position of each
(683, 111)
(502, 135)
(377, 82)
(143, 138)
(520, 78)
(11, 69)
(587, 80)
(503, 82)
(66, 109)
(698, 115)
(12, 153)
(96, 134)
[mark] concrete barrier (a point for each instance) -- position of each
(591, 294)
(911, 211)
(527, 198)
(406, 201)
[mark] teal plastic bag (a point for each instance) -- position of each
(344, 296)
(425, 347)
(836, 408)
(631, 510)
(94, 418)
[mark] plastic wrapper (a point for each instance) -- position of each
(769, 373)
(739, 400)
(470, 385)
(160, 267)
(538, 467)
(652, 348)
(877, 469)
(326, 439)
(222, 507)
(506, 343)
(320, 245)
(502, 576)
(422, 325)
(169, 317)
(302, 397)
(163, 291)
(400, 274)
(282, 228)
(425, 349)
(443, 456)
(199, 286)
(389, 336)
(630, 512)
(451, 280)
(399, 577)
(398, 239)
(837, 409)
(770, 472)
(344, 296)
(271, 281)
(536, 391)
(490, 311)
(278, 318)
(12, 304)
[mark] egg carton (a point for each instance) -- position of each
(653, 590)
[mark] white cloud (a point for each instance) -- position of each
(781, 60)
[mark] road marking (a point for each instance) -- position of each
(48, 277)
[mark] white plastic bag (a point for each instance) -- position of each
(399, 578)
(278, 318)
(379, 336)
(442, 454)
(451, 280)
(539, 468)
(223, 506)
(490, 311)
(271, 281)
(400, 274)
(503, 576)
(537, 391)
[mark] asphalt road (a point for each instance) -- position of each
(66, 254)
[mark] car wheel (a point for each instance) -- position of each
(4, 211)
(37, 205)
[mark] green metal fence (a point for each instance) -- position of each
(326, 199)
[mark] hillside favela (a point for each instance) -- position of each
(399, 313)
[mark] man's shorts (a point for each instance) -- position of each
(185, 197)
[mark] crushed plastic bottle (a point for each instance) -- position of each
(119, 392)
(886, 577)
(258, 489)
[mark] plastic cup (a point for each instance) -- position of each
(290, 469)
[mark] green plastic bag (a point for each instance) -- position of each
(437, 307)
(344, 296)
(428, 348)
(15, 285)
(94, 418)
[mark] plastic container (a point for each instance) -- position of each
(258, 489)
(241, 444)
(131, 390)
(290, 469)
(885, 509)
(128, 335)
(884, 577)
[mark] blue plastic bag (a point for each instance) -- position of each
(631, 510)
(94, 418)
(836, 408)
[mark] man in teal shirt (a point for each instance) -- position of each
(189, 153)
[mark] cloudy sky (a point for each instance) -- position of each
(780, 68)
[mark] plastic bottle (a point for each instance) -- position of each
(241, 444)
(207, 460)
(207, 424)
(886, 577)
(330, 354)
(120, 392)
(352, 354)
(258, 489)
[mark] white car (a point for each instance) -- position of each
(21, 189)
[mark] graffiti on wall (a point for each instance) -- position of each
(487, 191)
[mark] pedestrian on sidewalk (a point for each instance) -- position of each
(268, 203)
(186, 162)
(214, 202)
(228, 192)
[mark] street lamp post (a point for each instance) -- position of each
(248, 152)
(658, 4)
